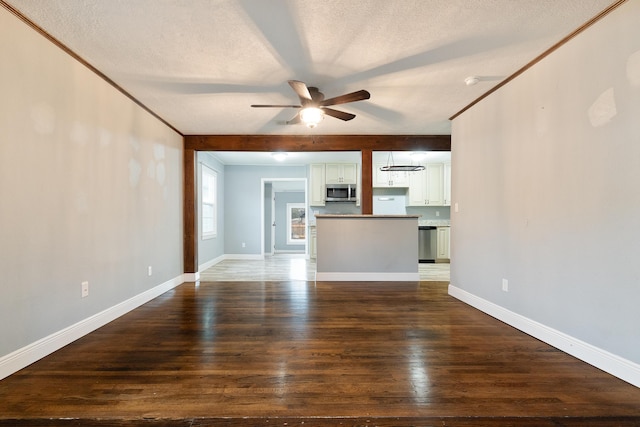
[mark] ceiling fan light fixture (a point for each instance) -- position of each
(311, 116)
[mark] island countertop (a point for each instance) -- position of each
(361, 216)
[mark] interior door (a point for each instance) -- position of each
(273, 224)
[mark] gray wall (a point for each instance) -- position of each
(90, 188)
(210, 249)
(242, 204)
(282, 198)
(546, 176)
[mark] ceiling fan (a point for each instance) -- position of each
(313, 105)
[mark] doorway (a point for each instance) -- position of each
(273, 230)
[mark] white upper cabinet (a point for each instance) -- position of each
(389, 179)
(417, 194)
(428, 187)
(341, 173)
(447, 184)
(435, 184)
(316, 184)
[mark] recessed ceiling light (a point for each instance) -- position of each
(471, 80)
(279, 156)
(418, 155)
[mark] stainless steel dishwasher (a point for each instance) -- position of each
(427, 243)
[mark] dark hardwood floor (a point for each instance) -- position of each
(312, 354)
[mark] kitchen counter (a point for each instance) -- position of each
(367, 247)
(365, 216)
(435, 222)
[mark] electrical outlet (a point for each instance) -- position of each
(149, 271)
(244, 245)
(437, 213)
(85, 289)
(455, 207)
(505, 285)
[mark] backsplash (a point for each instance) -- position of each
(334, 208)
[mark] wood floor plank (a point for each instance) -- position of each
(338, 353)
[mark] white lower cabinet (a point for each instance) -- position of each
(443, 247)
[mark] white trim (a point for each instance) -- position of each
(191, 277)
(289, 207)
(211, 263)
(35, 351)
(369, 277)
(263, 181)
(615, 365)
(257, 257)
(287, 251)
(207, 171)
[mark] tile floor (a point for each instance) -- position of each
(292, 267)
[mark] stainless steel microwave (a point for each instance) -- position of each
(340, 193)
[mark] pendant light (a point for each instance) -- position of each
(391, 167)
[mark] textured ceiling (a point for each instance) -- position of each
(200, 64)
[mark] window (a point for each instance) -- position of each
(296, 224)
(209, 203)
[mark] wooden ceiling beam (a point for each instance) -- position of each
(298, 143)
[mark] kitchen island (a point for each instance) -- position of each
(367, 247)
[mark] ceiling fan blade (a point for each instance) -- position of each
(302, 90)
(349, 97)
(295, 120)
(338, 114)
(275, 106)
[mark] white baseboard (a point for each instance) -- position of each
(244, 256)
(369, 277)
(617, 366)
(191, 277)
(35, 351)
(211, 263)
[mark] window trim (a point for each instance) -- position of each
(290, 240)
(210, 175)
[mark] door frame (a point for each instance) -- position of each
(263, 182)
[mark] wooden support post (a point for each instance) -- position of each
(190, 208)
(366, 190)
